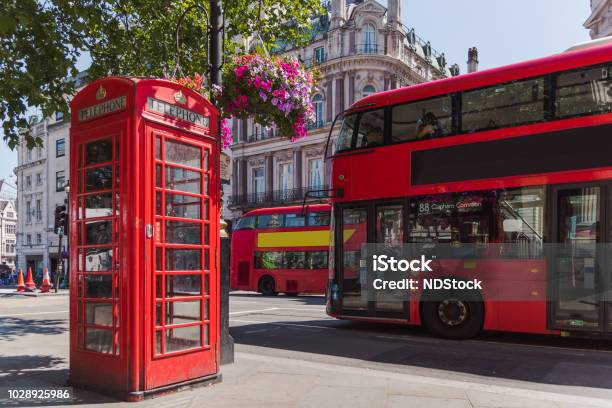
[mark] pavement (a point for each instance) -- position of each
(290, 354)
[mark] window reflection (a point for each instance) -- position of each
(99, 151)
(182, 285)
(584, 91)
(98, 232)
(98, 286)
(99, 205)
(99, 178)
(183, 259)
(180, 153)
(178, 232)
(345, 137)
(97, 259)
(183, 338)
(183, 180)
(508, 104)
(178, 205)
(99, 313)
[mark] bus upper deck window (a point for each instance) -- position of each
(421, 120)
(245, 223)
(370, 131)
(345, 138)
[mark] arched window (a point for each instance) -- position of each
(369, 38)
(367, 90)
(317, 103)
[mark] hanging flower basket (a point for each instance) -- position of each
(272, 91)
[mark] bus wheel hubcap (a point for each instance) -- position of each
(452, 312)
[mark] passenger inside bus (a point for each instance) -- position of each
(427, 126)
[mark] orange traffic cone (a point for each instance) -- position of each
(20, 284)
(46, 283)
(30, 286)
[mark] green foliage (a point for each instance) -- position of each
(41, 42)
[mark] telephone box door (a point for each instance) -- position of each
(182, 287)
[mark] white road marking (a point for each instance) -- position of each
(569, 399)
(310, 326)
(254, 311)
(33, 313)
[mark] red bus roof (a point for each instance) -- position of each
(564, 61)
(288, 210)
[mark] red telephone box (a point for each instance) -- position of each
(144, 235)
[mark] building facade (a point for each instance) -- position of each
(42, 175)
(8, 233)
(359, 47)
(599, 22)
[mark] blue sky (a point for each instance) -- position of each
(504, 32)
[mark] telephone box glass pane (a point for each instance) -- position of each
(158, 342)
(100, 314)
(99, 151)
(158, 148)
(183, 312)
(183, 338)
(98, 232)
(183, 285)
(178, 232)
(180, 153)
(183, 259)
(99, 178)
(183, 180)
(99, 340)
(98, 286)
(98, 259)
(158, 175)
(99, 205)
(178, 205)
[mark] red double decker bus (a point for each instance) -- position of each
(283, 249)
(514, 157)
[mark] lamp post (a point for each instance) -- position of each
(214, 15)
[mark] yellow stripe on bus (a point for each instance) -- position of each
(297, 239)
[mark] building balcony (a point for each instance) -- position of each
(367, 49)
(264, 135)
(277, 197)
(318, 124)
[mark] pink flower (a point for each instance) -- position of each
(226, 133)
(239, 71)
(266, 85)
(257, 81)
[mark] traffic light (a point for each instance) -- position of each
(61, 218)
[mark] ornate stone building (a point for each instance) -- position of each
(8, 231)
(599, 22)
(359, 47)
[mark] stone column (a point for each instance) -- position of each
(243, 177)
(269, 172)
(339, 95)
(351, 89)
(297, 168)
(329, 103)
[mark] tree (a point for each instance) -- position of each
(41, 41)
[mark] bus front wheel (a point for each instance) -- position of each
(453, 315)
(267, 287)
